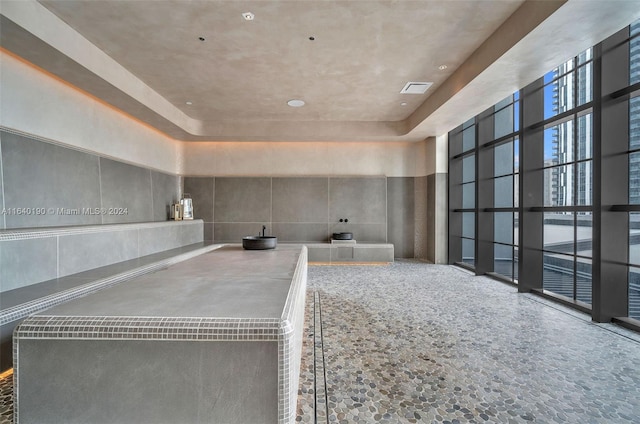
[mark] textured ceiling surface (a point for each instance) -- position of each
(146, 58)
(362, 54)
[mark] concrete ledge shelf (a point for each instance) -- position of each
(15, 305)
(44, 232)
(350, 252)
(43, 267)
(63, 251)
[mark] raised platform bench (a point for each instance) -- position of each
(75, 261)
(350, 252)
(213, 339)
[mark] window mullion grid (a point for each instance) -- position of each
(575, 187)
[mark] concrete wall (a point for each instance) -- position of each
(309, 209)
(295, 209)
(46, 185)
(37, 106)
(393, 159)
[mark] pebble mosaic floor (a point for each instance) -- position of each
(417, 343)
(414, 343)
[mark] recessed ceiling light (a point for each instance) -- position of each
(442, 67)
(189, 103)
(248, 16)
(403, 104)
(296, 103)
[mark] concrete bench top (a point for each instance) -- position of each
(227, 283)
(19, 303)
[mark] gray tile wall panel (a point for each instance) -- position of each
(125, 186)
(242, 200)
(297, 232)
(360, 200)
(208, 231)
(401, 216)
(320, 254)
(154, 240)
(233, 232)
(25, 262)
(165, 192)
(42, 175)
(374, 254)
(300, 200)
(371, 233)
(440, 234)
(421, 233)
(82, 252)
(341, 253)
(431, 217)
(189, 234)
(201, 191)
(220, 371)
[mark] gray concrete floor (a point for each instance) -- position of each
(411, 342)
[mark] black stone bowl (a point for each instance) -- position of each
(343, 236)
(259, 242)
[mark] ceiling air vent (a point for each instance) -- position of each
(415, 87)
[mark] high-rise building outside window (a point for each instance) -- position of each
(549, 205)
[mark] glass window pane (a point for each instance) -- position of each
(550, 100)
(634, 238)
(503, 227)
(558, 186)
(585, 137)
(634, 54)
(469, 138)
(549, 76)
(503, 123)
(516, 155)
(503, 159)
(585, 56)
(469, 168)
(565, 67)
(585, 183)
(468, 251)
(558, 232)
(634, 120)
(558, 144)
(516, 223)
(634, 293)
(455, 143)
(468, 196)
(634, 178)
(503, 192)
(504, 102)
(584, 234)
(559, 96)
(469, 224)
(557, 274)
(516, 116)
(583, 280)
(503, 260)
(585, 84)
